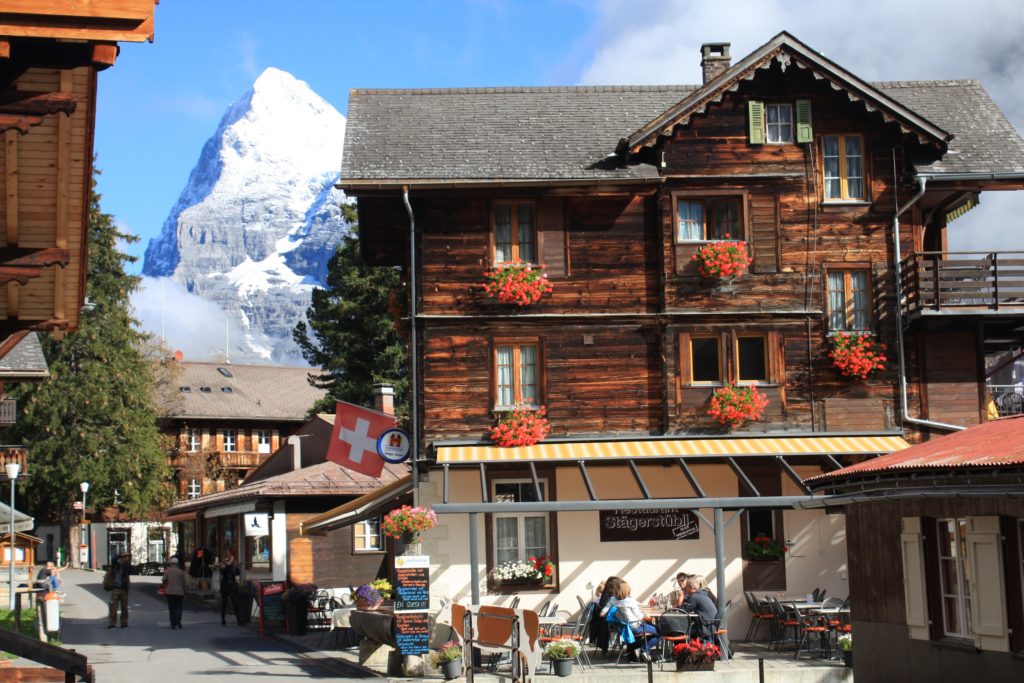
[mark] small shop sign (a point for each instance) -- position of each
(649, 524)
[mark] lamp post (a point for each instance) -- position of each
(85, 529)
(13, 469)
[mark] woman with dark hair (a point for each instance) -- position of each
(599, 635)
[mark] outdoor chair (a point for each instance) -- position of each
(786, 619)
(719, 629)
(817, 626)
(576, 631)
(759, 614)
(318, 616)
(514, 603)
(674, 628)
(821, 596)
(543, 611)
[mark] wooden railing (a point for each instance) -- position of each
(241, 459)
(963, 281)
(18, 454)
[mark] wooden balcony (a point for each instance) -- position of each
(963, 283)
(9, 454)
(241, 459)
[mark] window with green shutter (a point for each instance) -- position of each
(756, 110)
(804, 130)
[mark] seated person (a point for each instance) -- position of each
(697, 602)
(599, 635)
(676, 597)
(706, 588)
(49, 577)
(629, 613)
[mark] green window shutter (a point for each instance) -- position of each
(756, 110)
(804, 131)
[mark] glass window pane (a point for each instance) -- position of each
(951, 615)
(753, 366)
(506, 393)
(502, 233)
(528, 374)
(691, 220)
(761, 523)
(830, 161)
(526, 233)
(536, 536)
(854, 169)
(861, 303)
(506, 541)
(725, 220)
(836, 301)
(705, 365)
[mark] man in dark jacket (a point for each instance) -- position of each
(120, 575)
(697, 602)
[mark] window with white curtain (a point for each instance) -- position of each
(524, 535)
(953, 577)
(779, 123)
(849, 300)
(516, 375)
(515, 232)
(842, 159)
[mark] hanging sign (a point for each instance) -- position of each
(393, 445)
(257, 524)
(649, 525)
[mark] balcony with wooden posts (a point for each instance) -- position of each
(241, 460)
(967, 283)
(14, 454)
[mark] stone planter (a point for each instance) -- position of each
(451, 670)
(695, 666)
(368, 606)
(562, 667)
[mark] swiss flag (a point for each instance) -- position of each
(354, 439)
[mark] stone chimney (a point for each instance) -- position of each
(295, 441)
(384, 398)
(714, 60)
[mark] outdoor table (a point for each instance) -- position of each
(341, 616)
(834, 610)
(804, 606)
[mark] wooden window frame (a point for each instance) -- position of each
(844, 184)
(517, 343)
(515, 204)
(792, 123)
(546, 475)
(711, 195)
(767, 358)
(721, 361)
(847, 269)
(775, 361)
(382, 546)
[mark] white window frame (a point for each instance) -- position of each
(193, 439)
(962, 597)
(778, 126)
(263, 441)
(230, 439)
(521, 517)
(373, 540)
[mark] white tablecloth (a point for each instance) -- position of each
(340, 617)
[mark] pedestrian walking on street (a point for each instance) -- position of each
(228, 587)
(118, 578)
(174, 589)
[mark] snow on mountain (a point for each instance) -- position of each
(259, 217)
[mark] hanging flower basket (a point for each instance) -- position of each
(722, 260)
(521, 426)
(408, 520)
(765, 548)
(857, 355)
(517, 283)
(733, 405)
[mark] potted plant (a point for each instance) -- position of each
(733, 405)
(407, 523)
(696, 655)
(519, 572)
(722, 260)
(845, 642)
(561, 652)
(856, 354)
(517, 283)
(521, 426)
(297, 600)
(448, 658)
(371, 596)
(765, 548)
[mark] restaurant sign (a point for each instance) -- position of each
(649, 524)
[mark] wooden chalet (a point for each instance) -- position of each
(936, 544)
(225, 420)
(840, 189)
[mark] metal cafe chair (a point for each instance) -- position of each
(674, 628)
(576, 631)
(720, 629)
(759, 614)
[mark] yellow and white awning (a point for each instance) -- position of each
(821, 445)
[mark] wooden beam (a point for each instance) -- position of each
(104, 54)
(19, 123)
(38, 103)
(5, 49)
(34, 258)
(63, 199)
(11, 185)
(12, 274)
(52, 325)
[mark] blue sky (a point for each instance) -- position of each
(161, 101)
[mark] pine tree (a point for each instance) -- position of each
(94, 420)
(351, 334)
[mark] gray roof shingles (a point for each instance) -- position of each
(566, 133)
(26, 360)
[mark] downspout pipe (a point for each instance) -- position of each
(922, 183)
(414, 411)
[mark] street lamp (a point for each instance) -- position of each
(13, 469)
(85, 489)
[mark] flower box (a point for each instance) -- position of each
(517, 283)
(718, 261)
(857, 355)
(733, 405)
(521, 426)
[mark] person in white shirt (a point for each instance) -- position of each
(630, 613)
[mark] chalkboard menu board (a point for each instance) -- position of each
(648, 525)
(412, 632)
(412, 588)
(271, 601)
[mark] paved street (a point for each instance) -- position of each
(148, 650)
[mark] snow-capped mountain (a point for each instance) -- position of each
(260, 217)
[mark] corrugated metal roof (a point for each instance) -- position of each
(990, 444)
(674, 448)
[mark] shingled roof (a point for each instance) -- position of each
(515, 135)
(245, 392)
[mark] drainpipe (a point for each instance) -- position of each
(414, 419)
(900, 210)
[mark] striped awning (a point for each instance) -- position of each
(727, 447)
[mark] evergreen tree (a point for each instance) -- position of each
(351, 336)
(94, 420)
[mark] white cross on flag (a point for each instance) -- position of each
(354, 439)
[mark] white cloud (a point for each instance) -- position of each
(659, 42)
(189, 323)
